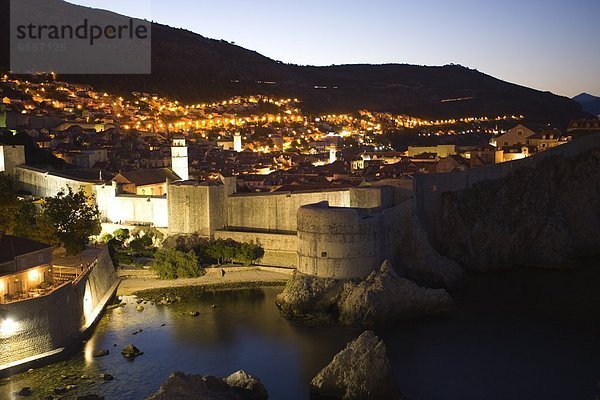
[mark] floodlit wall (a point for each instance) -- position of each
(47, 184)
(196, 208)
(340, 243)
(55, 321)
(10, 157)
(280, 249)
(124, 208)
(276, 211)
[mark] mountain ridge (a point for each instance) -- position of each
(192, 68)
(589, 103)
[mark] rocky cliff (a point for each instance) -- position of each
(382, 297)
(416, 259)
(542, 215)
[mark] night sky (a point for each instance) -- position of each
(547, 45)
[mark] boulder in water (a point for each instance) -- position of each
(131, 352)
(359, 372)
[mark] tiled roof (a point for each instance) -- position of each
(14, 246)
(145, 177)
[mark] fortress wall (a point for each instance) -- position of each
(55, 321)
(43, 184)
(129, 208)
(371, 197)
(42, 324)
(280, 249)
(277, 211)
(217, 208)
(428, 188)
(10, 157)
(340, 243)
(189, 209)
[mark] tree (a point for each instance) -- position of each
(141, 246)
(74, 218)
(122, 235)
(9, 204)
(174, 264)
(247, 253)
(225, 251)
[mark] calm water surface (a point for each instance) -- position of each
(519, 334)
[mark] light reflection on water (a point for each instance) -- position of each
(243, 331)
(518, 335)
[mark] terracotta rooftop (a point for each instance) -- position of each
(145, 177)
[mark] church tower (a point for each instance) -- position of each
(237, 142)
(179, 157)
(332, 154)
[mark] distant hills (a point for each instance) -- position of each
(192, 68)
(589, 103)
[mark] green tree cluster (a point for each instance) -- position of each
(68, 219)
(175, 264)
(228, 251)
(74, 218)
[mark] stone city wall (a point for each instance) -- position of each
(54, 321)
(340, 243)
(280, 248)
(47, 184)
(196, 208)
(125, 208)
(10, 157)
(276, 211)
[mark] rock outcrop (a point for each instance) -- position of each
(382, 297)
(237, 386)
(540, 215)
(385, 296)
(306, 295)
(416, 258)
(359, 372)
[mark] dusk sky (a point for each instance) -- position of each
(547, 45)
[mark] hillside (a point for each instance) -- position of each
(193, 68)
(589, 103)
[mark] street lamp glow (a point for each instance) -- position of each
(8, 327)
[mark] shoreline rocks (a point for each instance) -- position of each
(361, 371)
(237, 386)
(382, 297)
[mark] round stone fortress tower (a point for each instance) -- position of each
(339, 243)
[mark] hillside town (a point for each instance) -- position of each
(267, 143)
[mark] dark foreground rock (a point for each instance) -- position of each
(237, 386)
(359, 372)
(382, 297)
